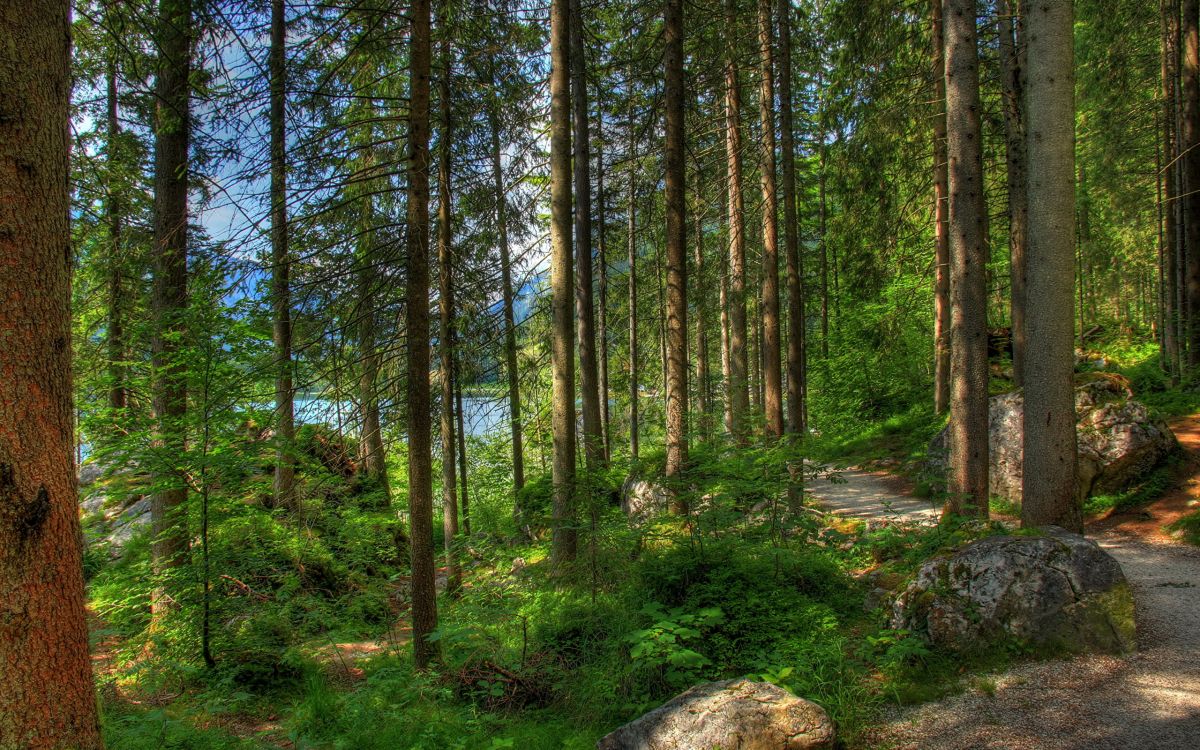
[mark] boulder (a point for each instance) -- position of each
(643, 498)
(1059, 591)
(1119, 442)
(728, 715)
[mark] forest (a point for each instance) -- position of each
(757, 374)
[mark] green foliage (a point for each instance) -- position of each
(664, 648)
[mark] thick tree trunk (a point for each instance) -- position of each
(1012, 55)
(941, 206)
(420, 459)
(1190, 158)
(791, 230)
(561, 281)
(47, 700)
(772, 353)
(585, 312)
(739, 364)
(510, 327)
(169, 296)
(968, 480)
(118, 393)
(285, 426)
(676, 250)
(446, 333)
(1048, 488)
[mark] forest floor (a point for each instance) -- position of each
(1149, 700)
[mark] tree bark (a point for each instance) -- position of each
(1170, 74)
(446, 333)
(676, 250)
(285, 426)
(701, 332)
(968, 480)
(118, 394)
(791, 230)
(602, 319)
(47, 700)
(169, 295)
(1190, 157)
(465, 515)
(1012, 54)
(941, 206)
(633, 302)
(772, 353)
(585, 312)
(1048, 485)
(510, 327)
(373, 451)
(739, 365)
(562, 274)
(420, 459)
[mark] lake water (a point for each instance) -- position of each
(482, 415)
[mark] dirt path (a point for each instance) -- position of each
(1149, 701)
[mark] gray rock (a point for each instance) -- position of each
(124, 526)
(90, 473)
(1060, 591)
(728, 715)
(642, 498)
(1119, 442)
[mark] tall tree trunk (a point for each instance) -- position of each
(602, 320)
(47, 700)
(726, 361)
(1170, 73)
(562, 275)
(941, 206)
(420, 458)
(633, 306)
(1012, 54)
(822, 218)
(374, 456)
(1048, 489)
(772, 354)
(1189, 150)
(676, 250)
(739, 365)
(372, 448)
(285, 427)
(791, 229)
(1190, 157)
(169, 297)
(701, 352)
(118, 393)
(968, 480)
(446, 334)
(510, 328)
(585, 312)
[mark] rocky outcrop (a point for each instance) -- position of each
(112, 506)
(1059, 591)
(728, 715)
(643, 498)
(1119, 441)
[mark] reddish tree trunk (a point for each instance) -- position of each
(46, 695)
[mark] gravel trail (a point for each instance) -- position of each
(1147, 701)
